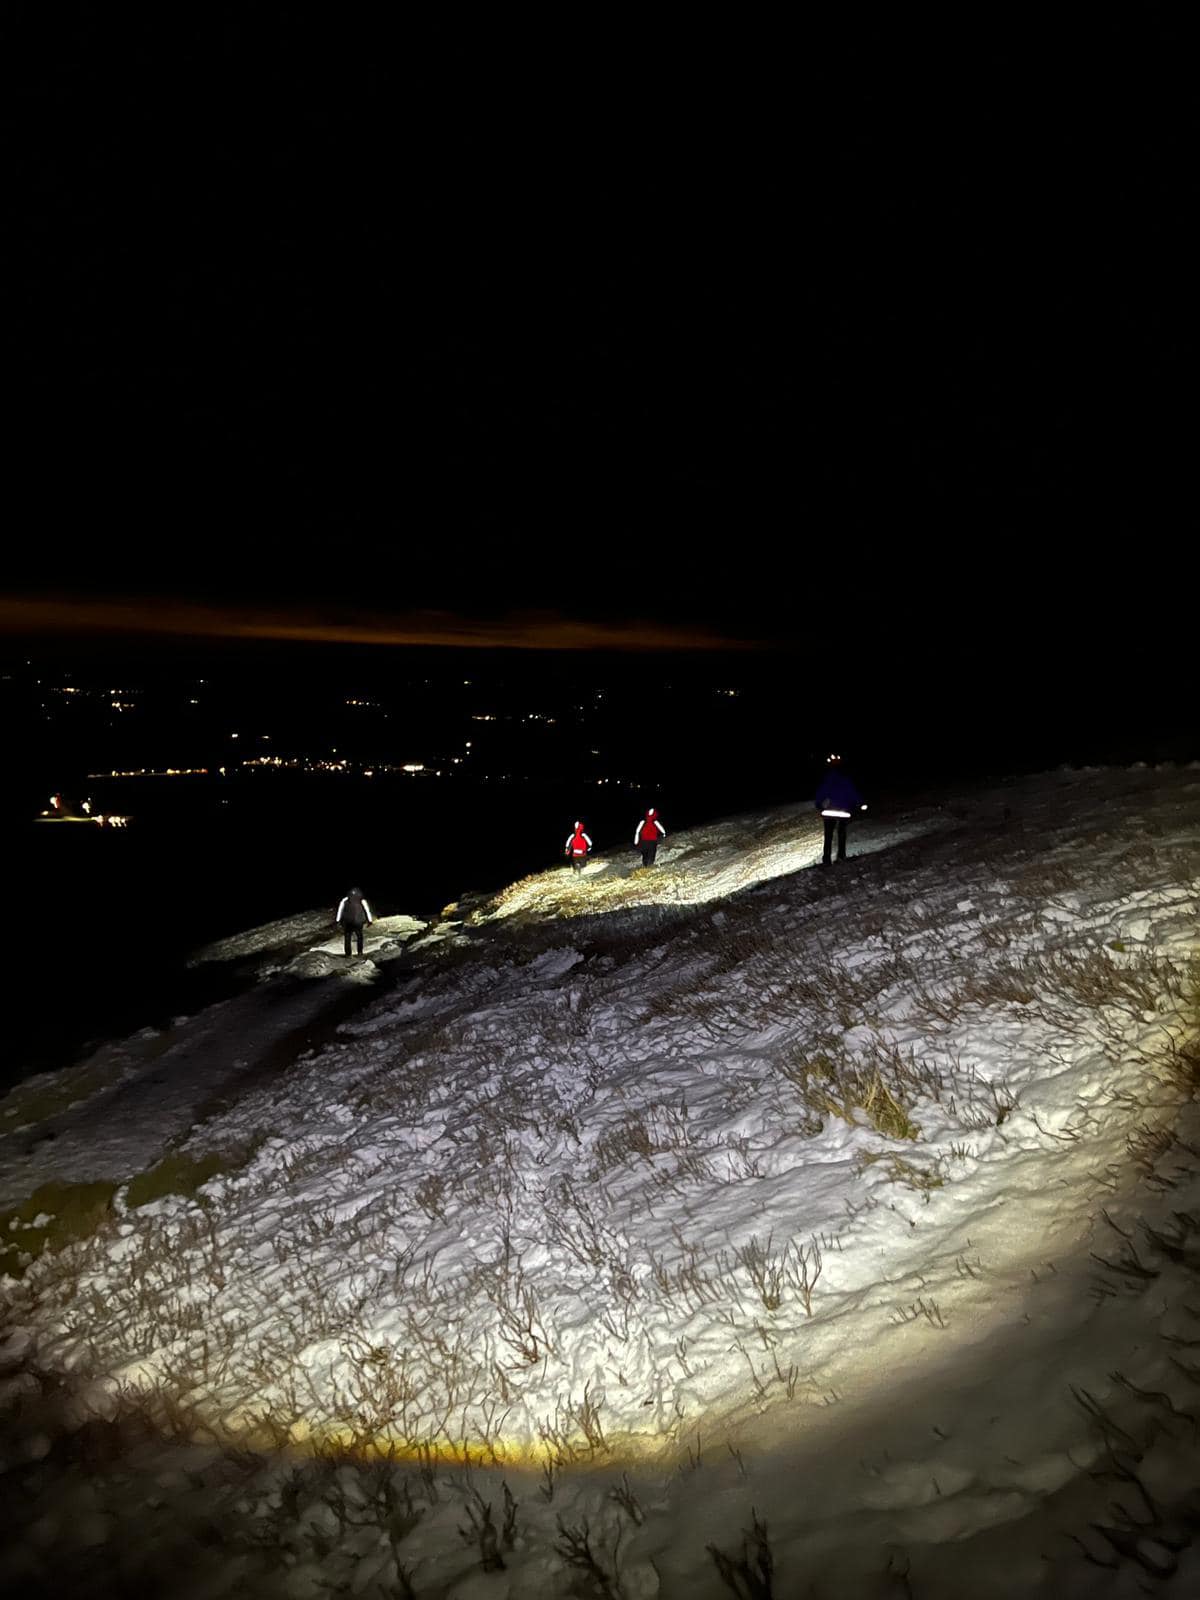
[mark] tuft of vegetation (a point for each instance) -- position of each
(750, 1574)
(598, 1567)
(903, 1172)
(849, 1088)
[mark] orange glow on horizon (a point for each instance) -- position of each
(71, 614)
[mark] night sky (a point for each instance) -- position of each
(894, 373)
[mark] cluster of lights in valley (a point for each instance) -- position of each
(123, 701)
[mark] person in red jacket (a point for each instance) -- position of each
(649, 831)
(578, 846)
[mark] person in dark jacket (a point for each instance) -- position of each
(353, 915)
(578, 846)
(649, 831)
(837, 800)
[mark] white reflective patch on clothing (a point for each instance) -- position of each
(340, 909)
(831, 813)
(366, 907)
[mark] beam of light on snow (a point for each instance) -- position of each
(870, 1176)
(166, 617)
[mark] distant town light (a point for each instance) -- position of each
(153, 772)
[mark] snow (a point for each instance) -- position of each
(295, 944)
(157, 1086)
(866, 1203)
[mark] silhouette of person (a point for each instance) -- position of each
(353, 915)
(837, 800)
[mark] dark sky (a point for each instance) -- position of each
(879, 362)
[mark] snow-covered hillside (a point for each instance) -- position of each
(736, 1226)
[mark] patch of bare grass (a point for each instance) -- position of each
(183, 1174)
(54, 1216)
(51, 1094)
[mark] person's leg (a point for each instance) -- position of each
(359, 935)
(346, 936)
(841, 838)
(653, 852)
(828, 821)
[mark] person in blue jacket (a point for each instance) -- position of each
(837, 800)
